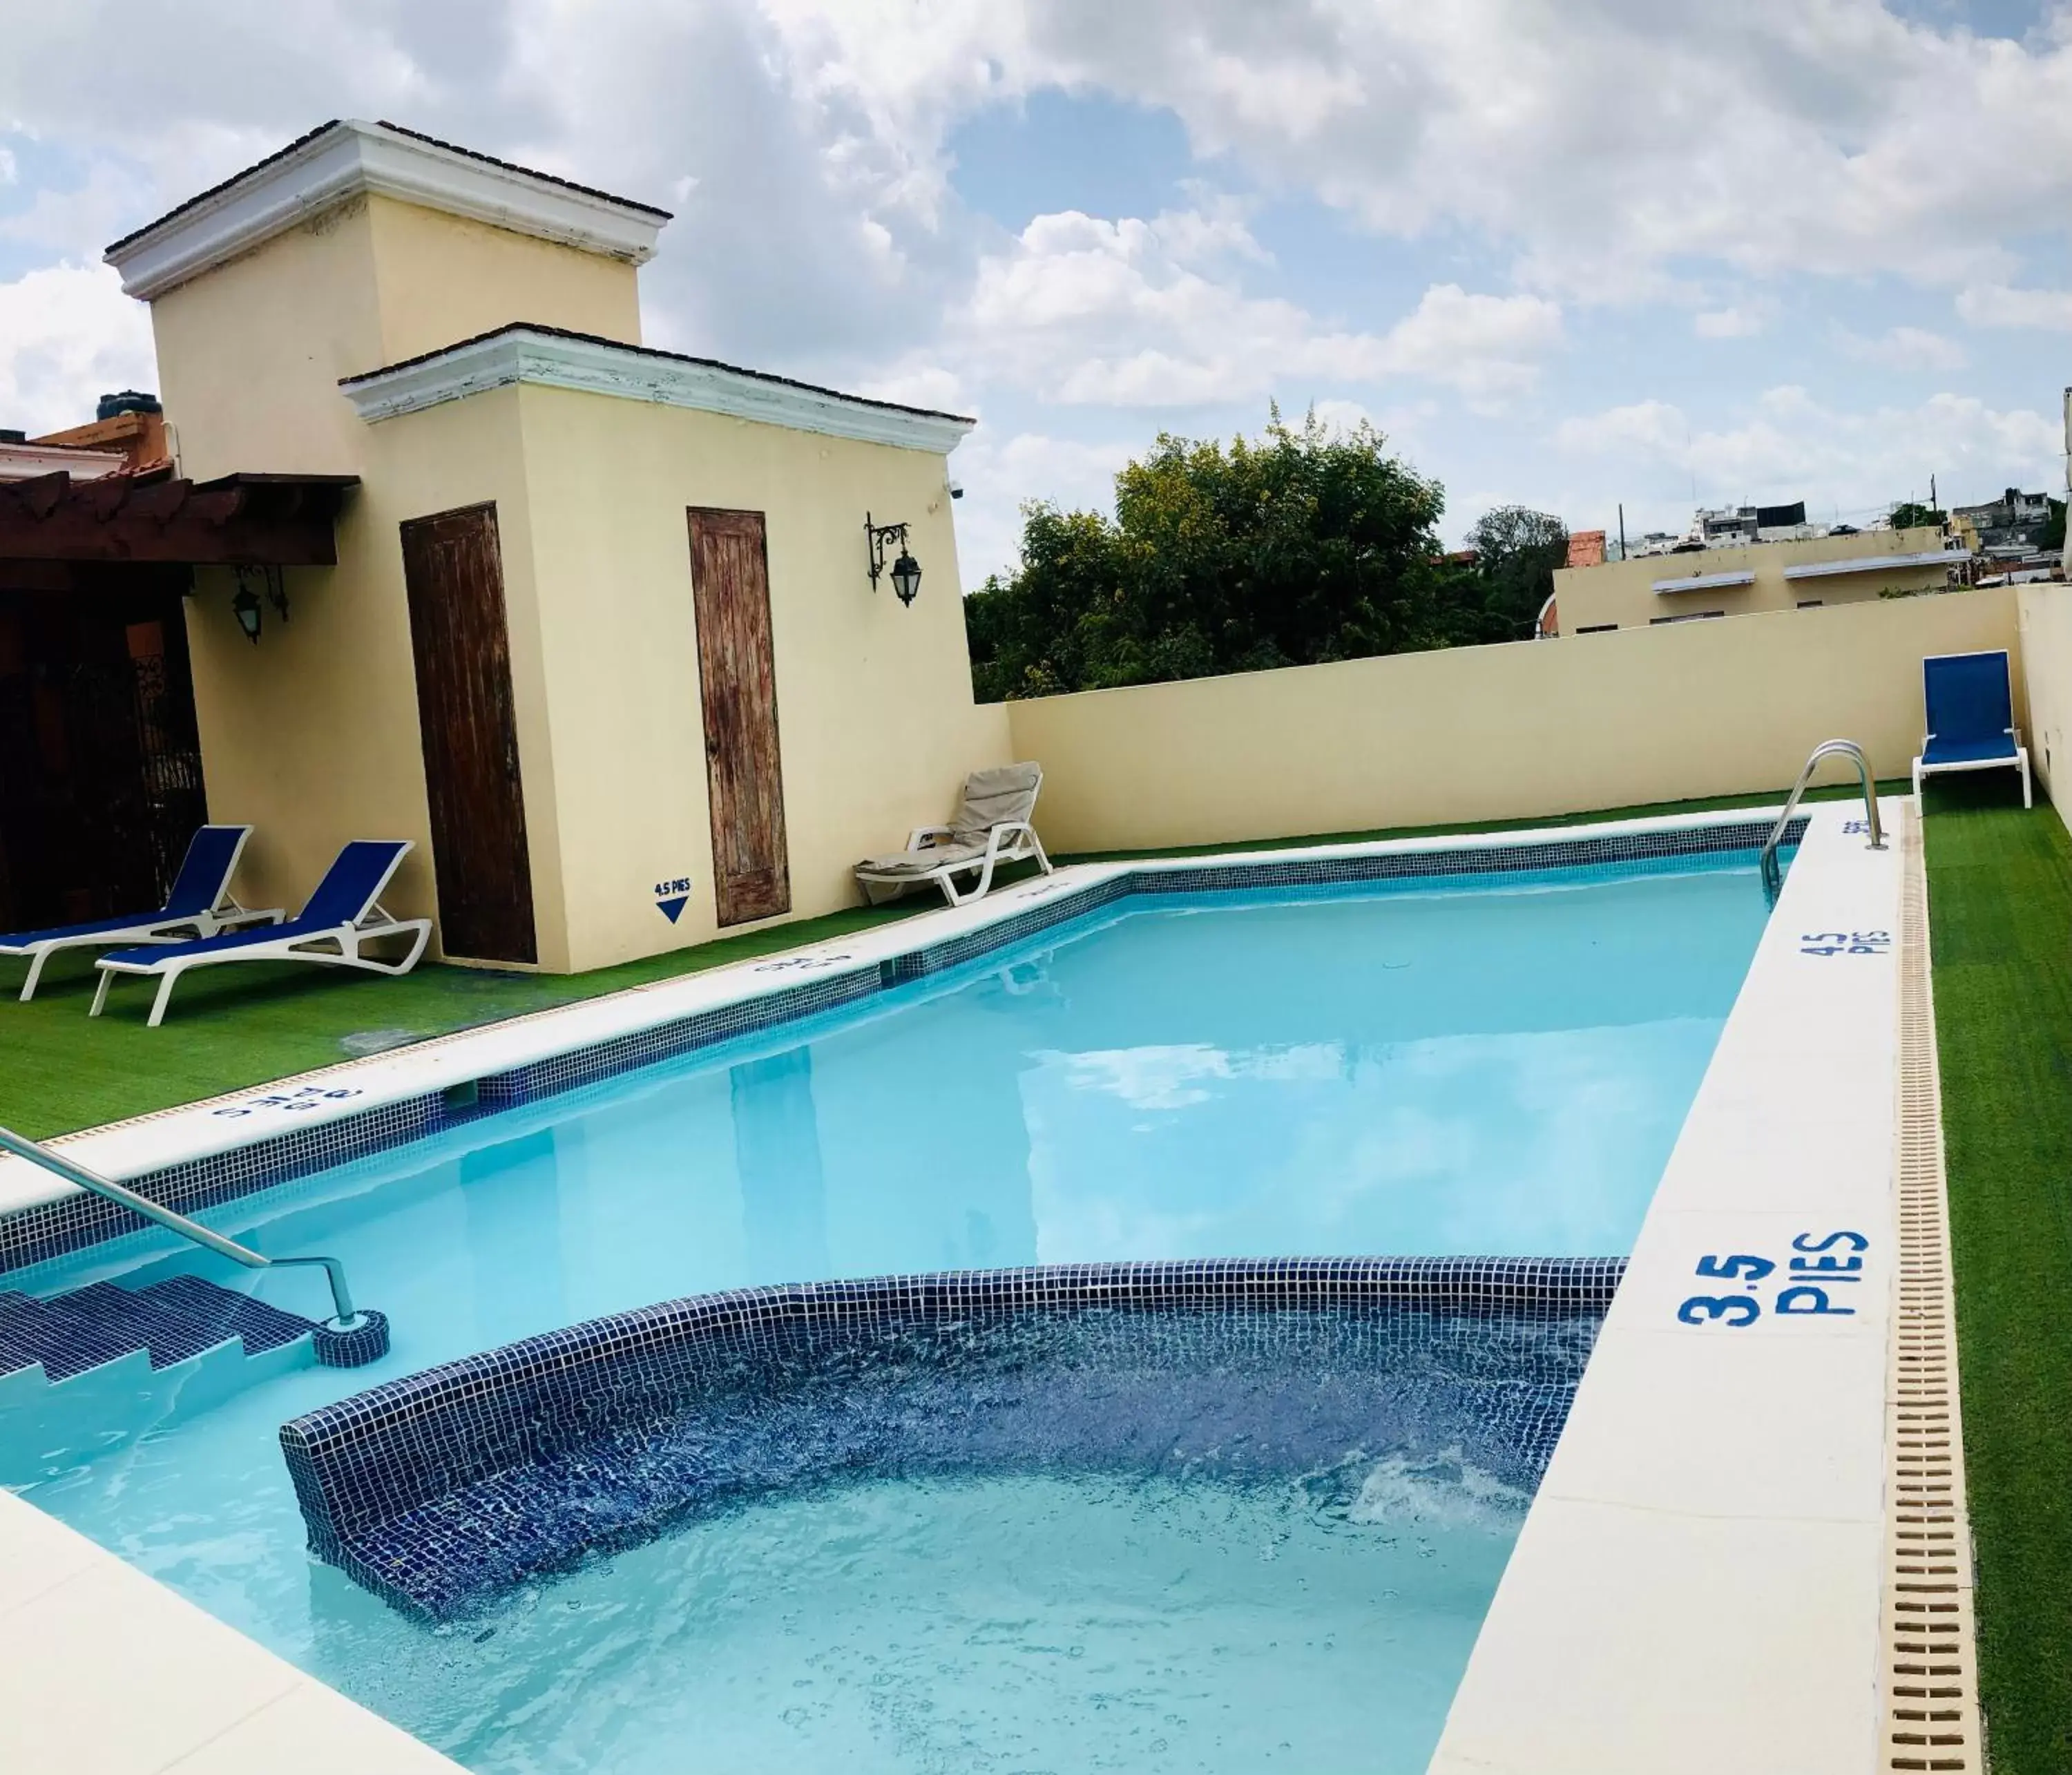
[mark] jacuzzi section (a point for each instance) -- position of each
(441, 1491)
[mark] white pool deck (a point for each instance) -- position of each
(1697, 1586)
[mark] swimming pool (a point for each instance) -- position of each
(1493, 1066)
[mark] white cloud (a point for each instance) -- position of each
(1604, 142)
(1792, 446)
(1904, 348)
(9, 172)
(1743, 320)
(1001, 473)
(1605, 151)
(1995, 305)
(1085, 311)
(68, 335)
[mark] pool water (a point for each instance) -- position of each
(1024, 1623)
(1491, 1067)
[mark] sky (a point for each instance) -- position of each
(1572, 256)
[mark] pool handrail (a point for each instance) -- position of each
(344, 1318)
(1826, 748)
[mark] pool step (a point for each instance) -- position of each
(73, 1333)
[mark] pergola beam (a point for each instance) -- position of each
(247, 520)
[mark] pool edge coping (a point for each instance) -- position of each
(1704, 1568)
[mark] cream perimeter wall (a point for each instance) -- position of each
(2047, 650)
(1513, 731)
(876, 722)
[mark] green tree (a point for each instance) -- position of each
(2053, 539)
(1908, 516)
(1305, 545)
(1516, 551)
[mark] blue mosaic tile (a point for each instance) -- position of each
(69, 1334)
(33, 1235)
(440, 1491)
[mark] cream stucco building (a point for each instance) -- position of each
(600, 634)
(1737, 582)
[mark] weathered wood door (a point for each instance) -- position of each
(453, 569)
(730, 585)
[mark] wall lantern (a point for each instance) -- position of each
(244, 606)
(906, 570)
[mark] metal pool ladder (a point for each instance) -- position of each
(346, 1340)
(1772, 871)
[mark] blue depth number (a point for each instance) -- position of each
(1846, 943)
(1819, 1266)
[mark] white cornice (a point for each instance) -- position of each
(347, 159)
(557, 360)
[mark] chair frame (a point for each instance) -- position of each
(226, 915)
(1009, 841)
(374, 922)
(2017, 759)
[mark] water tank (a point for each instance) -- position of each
(129, 401)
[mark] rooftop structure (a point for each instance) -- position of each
(546, 550)
(1722, 579)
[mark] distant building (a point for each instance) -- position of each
(1735, 526)
(1732, 527)
(2007, 529)
(1586, 549)
(1695, 581)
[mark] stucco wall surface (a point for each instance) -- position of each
(250, 353)
(876, 722)
(1470, 733)
(442, 278)
(310, 734)
(2045, 616)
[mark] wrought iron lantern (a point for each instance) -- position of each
(244, 606)
(906, 577)
(906, 570)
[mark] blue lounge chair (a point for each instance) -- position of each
(344, 913)
(1971, 719)
(198, 906)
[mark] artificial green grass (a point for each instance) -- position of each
(2000, 883)
(231, 1028)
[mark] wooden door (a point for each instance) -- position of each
(453, 569)
(730, 585)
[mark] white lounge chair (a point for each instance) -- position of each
(344, 913)
(199, 905)
(990, 827)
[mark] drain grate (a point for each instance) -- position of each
(1932, 1720)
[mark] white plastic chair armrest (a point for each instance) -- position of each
(923, 838)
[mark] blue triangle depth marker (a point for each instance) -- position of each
(672, 909)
